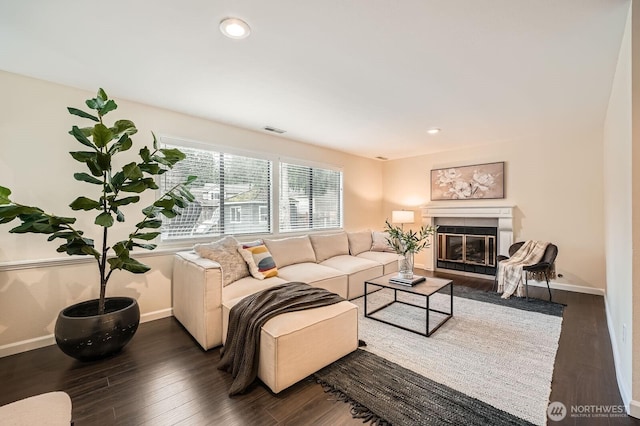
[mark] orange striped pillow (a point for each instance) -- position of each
(259, 260)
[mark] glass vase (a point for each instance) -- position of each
(405, 266)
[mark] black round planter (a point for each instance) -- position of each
(83, 334)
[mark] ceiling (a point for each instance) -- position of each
(368, 77)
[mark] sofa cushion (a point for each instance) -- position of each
(317, 276)
(326, 246)
(380, 242)
(388, 260)
(289, 251)
(259, 260)
(359, 242)
(350, 264)
(224, 251)
(247, 286)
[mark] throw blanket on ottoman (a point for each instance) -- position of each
(242, 346)
(510, 270)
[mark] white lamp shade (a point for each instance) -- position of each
(403, 216)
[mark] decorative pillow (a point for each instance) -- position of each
(290, 251)
(225, 252)
(326, 246)
(380, 242)
(259, 260)
(359, 242)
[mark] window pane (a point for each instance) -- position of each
(232, 195)
(310, 198)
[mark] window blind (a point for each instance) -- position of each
(310, 198)
(233, 195)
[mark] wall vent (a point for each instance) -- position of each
(382, 158)
(274, 129)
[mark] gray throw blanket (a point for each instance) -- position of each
(241, 349)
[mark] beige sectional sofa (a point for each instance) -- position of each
(206, 288)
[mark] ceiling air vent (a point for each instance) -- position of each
(382, 158)
(274, 129)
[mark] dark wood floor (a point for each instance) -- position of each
(163, 378)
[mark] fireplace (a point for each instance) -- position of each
(481, 246)
(467, 248)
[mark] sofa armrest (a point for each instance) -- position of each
(197, 297)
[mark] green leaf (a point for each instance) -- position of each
(132, 171)
(146, 246)
(84, 177)
(145, 236)
(134, 266)
(61, 234)
(110, 105)
(150, 211)
(101, 135)
(145, 154)
(151, 168)
(124, 126)
(169, 213)
(117, 180)
(137, 186)
(4, 195)
(165, 203)
(82, 114)
(119, 216)
(80, 137)
(93, 167)
(84, 203)
(103, 161)
(124, 201)
(150, 223)
(172, 155)
(102, 95)
(104, 219)
(83, 156)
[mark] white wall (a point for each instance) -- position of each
(36, 165)
(618, 214)
(554, 180)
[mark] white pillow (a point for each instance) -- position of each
(289, 251)
(225, 252)
(380, 242)
(359, 242)
(326, 246)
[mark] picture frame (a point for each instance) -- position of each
(477, 181)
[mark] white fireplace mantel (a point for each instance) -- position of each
(503, 214)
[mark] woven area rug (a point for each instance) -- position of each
(491, 354)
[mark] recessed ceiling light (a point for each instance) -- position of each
(235, 28)
(433, 131)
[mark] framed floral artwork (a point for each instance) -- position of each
(480, 181)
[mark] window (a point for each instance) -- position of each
(310, 198)
(236, 214)
(263, 214)
(232, 193)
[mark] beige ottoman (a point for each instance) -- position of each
(297, 344)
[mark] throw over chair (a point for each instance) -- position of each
(543, 266)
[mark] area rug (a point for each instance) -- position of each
(491, 353)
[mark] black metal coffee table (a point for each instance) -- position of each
(426, 288)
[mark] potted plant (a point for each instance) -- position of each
(406, 244)
(98, 328)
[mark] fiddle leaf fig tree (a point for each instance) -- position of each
(113, 188)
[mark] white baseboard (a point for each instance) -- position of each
(625, 393)
(634, 409)
(553, 284)
(26, 345)
(41, 342)
(568, 287)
